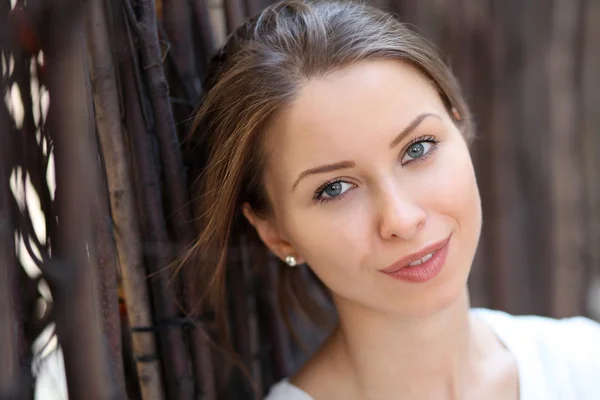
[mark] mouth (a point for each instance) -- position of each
(417, 258)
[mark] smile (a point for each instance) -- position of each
(422, 260)
(422, 265)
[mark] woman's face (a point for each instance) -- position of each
(365, 168)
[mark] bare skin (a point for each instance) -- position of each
(346, 368)
(391, 196)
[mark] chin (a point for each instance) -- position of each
(448, 289)
(445, 298)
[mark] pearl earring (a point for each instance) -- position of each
(291, 261)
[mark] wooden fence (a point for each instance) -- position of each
(95, 178)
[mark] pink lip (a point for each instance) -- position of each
(425, 271)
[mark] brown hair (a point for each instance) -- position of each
(256, 74)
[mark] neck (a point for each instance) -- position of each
(425, 356)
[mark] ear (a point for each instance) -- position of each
(270, 234)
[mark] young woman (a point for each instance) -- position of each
(342, 138)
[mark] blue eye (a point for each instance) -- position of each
(417, 150)
(332, 190)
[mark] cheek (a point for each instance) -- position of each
(333, 247)
(451, 187)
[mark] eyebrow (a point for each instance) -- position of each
(410, 128)
(323, 169)
(350, 164)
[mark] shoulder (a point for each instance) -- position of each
(284, 390)
(574, 342)
(572, 337)
(318, 378)
(566, 351)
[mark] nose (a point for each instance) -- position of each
(400, 215)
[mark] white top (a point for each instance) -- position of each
(556, 358)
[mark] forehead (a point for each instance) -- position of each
(343, 114)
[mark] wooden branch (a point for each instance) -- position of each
(235, 14)
(174, 352)
(132, 380)
(12, 363)
(178, 32)
(203, 28)
(253, 7)
(5, 34)
(126, 227)
(71, 274)
(106, 253)
(132, 18)
(173, 171)
(142, 94)
(567, 188)
(591, 141)
(174, 177)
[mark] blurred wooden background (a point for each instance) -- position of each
(94, 186)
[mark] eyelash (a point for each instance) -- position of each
(318, 195)
(421, 139)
